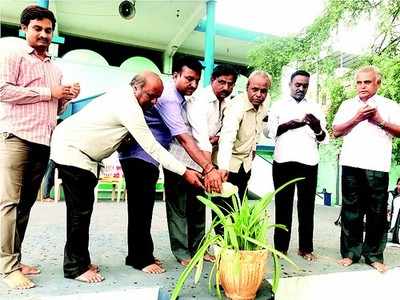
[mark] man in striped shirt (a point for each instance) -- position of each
(31, 96)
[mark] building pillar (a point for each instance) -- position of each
(167, 63)
(209, 42)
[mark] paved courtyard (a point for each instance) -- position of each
(46, 236)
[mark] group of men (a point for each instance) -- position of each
(210, 137)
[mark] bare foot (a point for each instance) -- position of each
(345, 262)
(90, 276)
(153, 269)
(208, 257)
(29, 270)
(380, 267)
(307, 256)
(17, 280)
(48, 199)
(185, 262)
(94, 268)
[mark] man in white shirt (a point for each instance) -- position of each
(368, 123)
(241, 129)
(297, 125)
(204, 111)
(82, 141)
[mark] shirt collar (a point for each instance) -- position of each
(31, 51)
(210, 94)
(371, 100)
(249, 106)
(304, 100)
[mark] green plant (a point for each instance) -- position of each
(246, 227)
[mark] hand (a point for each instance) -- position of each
(75, 90)
(313, 122)
(61, 91)
(293, 124)
(214, 139)
(213, 181)
(364, 113)
(224, 174)
(193, 177)
(376, 118)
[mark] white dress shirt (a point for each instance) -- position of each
(94, 133)
(300, 144)
(204, 113)
(366, 145)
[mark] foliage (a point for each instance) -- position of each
(246, 227)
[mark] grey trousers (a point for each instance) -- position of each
(22, 166)
(185, 216)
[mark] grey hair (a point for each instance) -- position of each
(262, 74)
(372, 69)
(138, 80)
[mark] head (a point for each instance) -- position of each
(147, 87)
(186, 74)
(38, 23)
(398, 185)
(223, 80)
(298, 84)
(257, 87)
(368, 81)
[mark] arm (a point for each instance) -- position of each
(233, 115)
(389, 127)
(362, 114)
(196, 111)
(11, 93)
(171, 114)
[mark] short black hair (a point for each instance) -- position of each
(398, 180)
(187, 61)
(224, 70)
(35, 12)
(301, 73)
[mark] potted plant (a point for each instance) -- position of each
(242, 251)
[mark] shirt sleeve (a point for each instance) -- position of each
(10, 92)
(394, 116)
(273, 122)
(135, 123)
(341, 116)
(233, 115)
(196, 110)
(322, 120)
(170, 111)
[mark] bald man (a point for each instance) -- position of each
(82, 141)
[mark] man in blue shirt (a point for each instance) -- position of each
(141, 171)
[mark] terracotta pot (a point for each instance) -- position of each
(243, 282)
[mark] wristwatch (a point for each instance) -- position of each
(382, 124)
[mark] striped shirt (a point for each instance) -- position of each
(27, 109)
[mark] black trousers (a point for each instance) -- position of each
(364, 193)
(306, 188)
(185, 215)
(78, 187)
(141, 178)
(240, 179)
